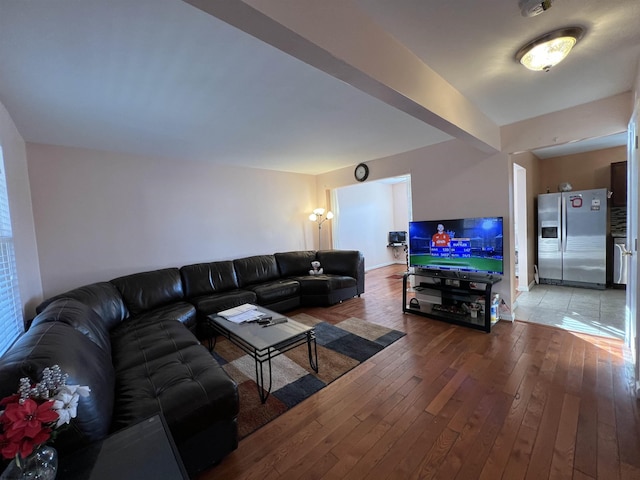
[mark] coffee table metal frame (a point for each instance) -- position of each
(287, 340)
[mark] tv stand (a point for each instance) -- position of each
(453, 297)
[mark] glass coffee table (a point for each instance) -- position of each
(263, 343)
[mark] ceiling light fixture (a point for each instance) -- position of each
(550, 49)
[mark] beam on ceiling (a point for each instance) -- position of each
(340, 40)
(595, 119)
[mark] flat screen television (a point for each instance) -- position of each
(471, 245)
(397, 237)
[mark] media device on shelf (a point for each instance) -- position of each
(397, 237)
(461, 248)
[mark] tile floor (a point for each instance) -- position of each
(596, 312)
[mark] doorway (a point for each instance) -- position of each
(366, 213)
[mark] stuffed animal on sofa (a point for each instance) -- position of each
(317, 269)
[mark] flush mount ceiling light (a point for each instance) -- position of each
(550, 49)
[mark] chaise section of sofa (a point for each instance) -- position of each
(343, 276)
(161, 367)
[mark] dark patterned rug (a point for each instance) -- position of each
(341, 347)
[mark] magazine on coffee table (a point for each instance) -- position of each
(242, 313)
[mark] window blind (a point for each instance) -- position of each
(11, 322)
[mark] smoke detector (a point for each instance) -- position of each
(531, 8)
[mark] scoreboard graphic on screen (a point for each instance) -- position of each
(457, 248)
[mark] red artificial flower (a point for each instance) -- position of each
(23, 446)
(25, 426)
(27, 419)
(26, 423)
(11, 398)
(8, 449)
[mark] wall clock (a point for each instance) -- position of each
(361, 172)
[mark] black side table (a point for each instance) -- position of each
(143, 450)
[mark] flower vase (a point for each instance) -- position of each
(42, 464)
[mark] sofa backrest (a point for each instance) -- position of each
(79, 316)
(207, 278)
(102, 297)
(58, 343)
(257, 269)
(292, 264)
(148, 290)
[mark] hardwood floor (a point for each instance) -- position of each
(525, 401)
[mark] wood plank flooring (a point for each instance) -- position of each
(526, 401)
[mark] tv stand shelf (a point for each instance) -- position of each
(451, 298)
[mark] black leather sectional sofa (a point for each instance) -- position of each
(134, 341)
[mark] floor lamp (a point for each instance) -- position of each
(319, 216)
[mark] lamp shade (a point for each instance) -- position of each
(550, 49)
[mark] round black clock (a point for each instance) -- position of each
(361, 172)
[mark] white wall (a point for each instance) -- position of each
(449, 180)
(99, 215)
(15, 160)
(366, 216)
(401, 206)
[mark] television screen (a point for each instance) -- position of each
(463, 245)
(397, 237)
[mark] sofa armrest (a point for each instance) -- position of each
(79, 316)
(58, 343)
(102, 297)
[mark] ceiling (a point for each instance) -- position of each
(163, 78)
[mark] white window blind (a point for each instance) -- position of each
(11, 323)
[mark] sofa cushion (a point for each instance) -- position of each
(257, 269)
(79, 316)
(147, 338)
(179, 312)
(188, 386)
(216, 302)
(148, 290)
(272, 292)
(291, 264)
(50, 343)
(102, 297)
(324, 284)
(206, 278)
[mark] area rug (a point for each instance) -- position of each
(341, 347)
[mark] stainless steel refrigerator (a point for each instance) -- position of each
(572, 238)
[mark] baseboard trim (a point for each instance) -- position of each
(508, 316)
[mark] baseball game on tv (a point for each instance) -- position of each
(463, 245)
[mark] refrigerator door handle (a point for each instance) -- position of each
(563, 220)
(560, 214)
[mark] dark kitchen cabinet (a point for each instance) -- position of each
(619, 184)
